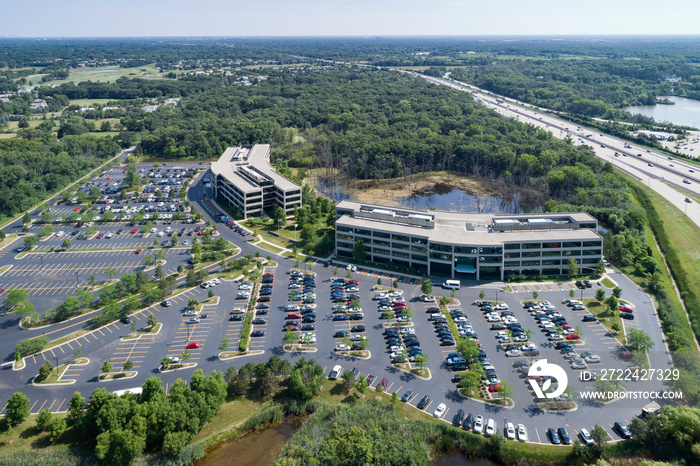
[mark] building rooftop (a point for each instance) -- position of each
(249, 167)
(464, 228)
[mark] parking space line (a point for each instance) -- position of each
(30, 409)
(445, 415)
(538, 436)
(59, 406)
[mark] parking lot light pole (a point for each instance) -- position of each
(497, 295)
(77, 278)
(56, 358)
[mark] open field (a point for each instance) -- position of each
(89, 102)
(108, 74)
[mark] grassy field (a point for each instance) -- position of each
(89, 102)
(229, 416)
(608, 283)
(108, 74)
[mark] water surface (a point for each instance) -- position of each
(685, 112)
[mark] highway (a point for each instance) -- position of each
(671, 177)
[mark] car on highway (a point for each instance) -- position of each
(192, 345)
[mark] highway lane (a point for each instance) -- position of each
(664, 179)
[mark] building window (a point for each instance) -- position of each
(511, 255)
(551, 253)
(380, 251)
(588, 244)
(591, 252)
(343, 229)
(360, 231)
(512, 264)
(379, 242)
(490, 250)
(419, 258)
(401, 238)
(444, 257)
(532, 245)
(550, 245)
(419, 249)
(571, 244)
(381, 234)
(466, 250)
(342, 244)
(531, 254)
(512, 246)
(400, 246)
(345, 237)
(415, 240)
(441, 247)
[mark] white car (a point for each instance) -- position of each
(336, 373)
(440, 411)
(60, 233)
(394, 294)
(479, 425)
(342, 347)
(514, 353)
(354, 268)
(593, 358)
(490, 428)
(238, 310)
(585, 437)
(555, 337)
(204, 285)
(216, 280)
(501, 307)
(186, 242)
(428, 299)
(510, 431)
(522, 433)
(153, 230)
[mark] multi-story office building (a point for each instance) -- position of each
(470, 246)
(244, 178)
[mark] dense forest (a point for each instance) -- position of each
(32, 170)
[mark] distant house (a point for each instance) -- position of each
(38, 104)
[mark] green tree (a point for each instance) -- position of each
(572, 293)
(77, 354)
(185, 355)
(106, 367)
(26, 218)
(358, 252)
(111, 270)
(75, 407)
(224, 345)
(152, 320)
(18, 302)
(482, 294)
(30, 241)
(611, 302)
(469, 349)
(572, 268)
(43, 420)
(426, 286)
(17, 409)
(348, 380)
(362, 385)
(638, 340)
(421, 360)
(66, 244)
(127, 365)
(599, 435)
(45, 370)
(506, 391)
(395, 284)
(617, 292)
(600, 294)
(58, 426)
(535, 294)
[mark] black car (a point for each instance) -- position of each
(356, 317)
(590, 318)
(447, 342)
(309, 319)
(125, 320)
(588, 283)
(468, 422)
(358, 328)
(262, 306)
(340, 334)
(257, 333)
(407, 396)
(566, 440)
(236, 318)
(621, 430)
(553, 436)
(261, 312)
(259, 321)
(423, 402)
(458, 418)
(627, 315)
(308, 327)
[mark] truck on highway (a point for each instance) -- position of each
(500, 101)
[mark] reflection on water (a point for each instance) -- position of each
(685, 112)
(458, 459)
(260, 448)
(443, 197)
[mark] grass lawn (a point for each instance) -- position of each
(605, 316)
(89, 102)
(144, 331)
(269, 247)
(27, 436)
(607, 283)
(229, 416)
(108, 74)
(56, 375)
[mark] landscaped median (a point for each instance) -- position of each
(54, 377)
(117, 376)
(150, 330)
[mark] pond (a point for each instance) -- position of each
(260, 448)
(685, 112)
(442, 196)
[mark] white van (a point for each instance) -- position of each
(452, 284)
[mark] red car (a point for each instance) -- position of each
(100, 236)
(353, 282)
(109, 177)
(573, 336)
(624, 354)
(293, 327)
(123, 171)
(138, 251)
(76, 209)
(268, 274)
(566, 327)
(134, 231)
(495, 387)
(625, 308)
(192, 345)
(200, 233)
(293, 315)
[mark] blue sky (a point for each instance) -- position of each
(93, 18)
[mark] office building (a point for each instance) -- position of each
(244, 178)
(470, 246)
